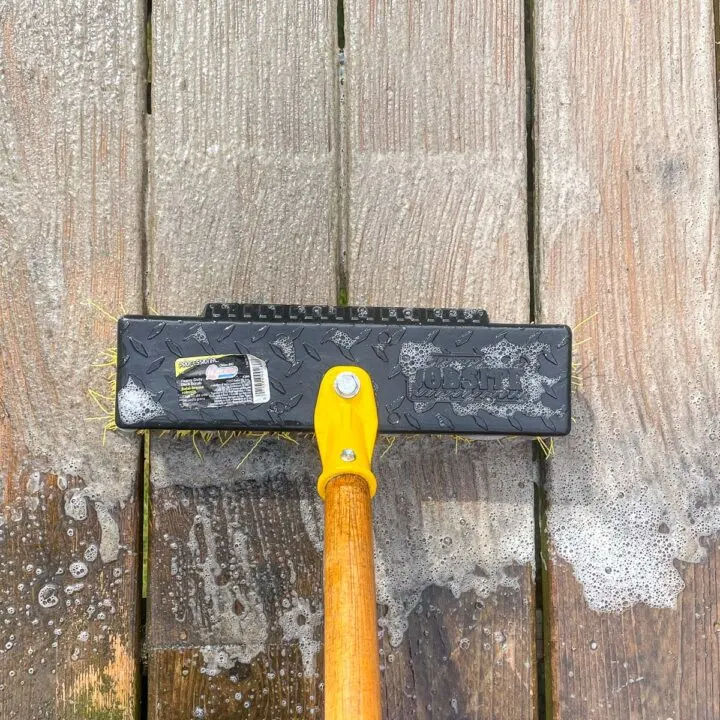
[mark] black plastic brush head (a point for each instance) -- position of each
(259, 367)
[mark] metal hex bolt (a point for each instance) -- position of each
(348, 455)
(347, 384)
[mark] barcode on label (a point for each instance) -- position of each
(259, 382)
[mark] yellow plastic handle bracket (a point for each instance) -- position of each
(346, 424)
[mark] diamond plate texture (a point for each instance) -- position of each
(433, 370)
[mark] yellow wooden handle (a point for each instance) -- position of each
(352, 673)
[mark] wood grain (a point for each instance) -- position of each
(71, 139)
(236, 580)
(435, 205)
(243, 170)
(646, 662)
(243, 207)
(352, 676)
(454, 533)
(435, 214)
(627, 208)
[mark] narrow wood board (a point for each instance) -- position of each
(627, 209)
(243, 207)
(236, 579)
(243, 166)
(71, 142)
(646, 662)
(435, 214)
(435, 208)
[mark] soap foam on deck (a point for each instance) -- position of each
(471, 533)
(625, 507)
(230, 609)
(459, 520)
(302, 623)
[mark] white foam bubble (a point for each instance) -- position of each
(33, 483)
(466, 545)
(232, 608)
(76, 504)
(500, 355)
(91, 553)
(623, 510)
(137, 405)
(109, 533)
(302, 624)
(78, 569)
(200, 336)
(48, 596)
(217, 658)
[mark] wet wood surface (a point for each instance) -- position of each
(627, 239)
(71, 139)
(243, 617)
(243, 187)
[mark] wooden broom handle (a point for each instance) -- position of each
(352, 672)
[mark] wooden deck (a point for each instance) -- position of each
(554, 160)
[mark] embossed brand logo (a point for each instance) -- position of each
(500, 379)
(456, 377)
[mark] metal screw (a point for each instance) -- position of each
(347, 384)
(348, 455)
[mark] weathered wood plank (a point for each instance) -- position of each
(437, 175)
(243, 178)
(242, 165)
(236, 579)
(435, 214)
(71, 139)
(627, 201)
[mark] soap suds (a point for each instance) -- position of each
(286, 347)
(91, 553)
(48, 596)
(312, 516)
(219, 658)
(33, 483)
(76, 504)
(137, 405)
(634, 491)
(302, 624)
(109, 533)
(474, 534)
(345, 342)
(624, 509)
(225, 602)
(78, 569)
(199, 336)
(500, 355)
(76, 507)
(216, 581)
(470, 539)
